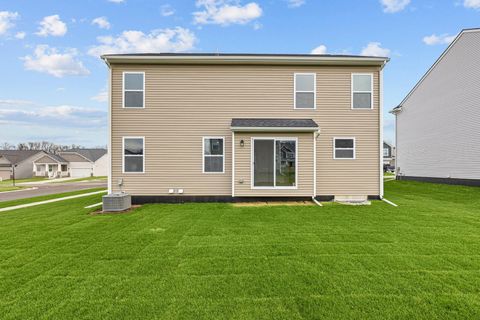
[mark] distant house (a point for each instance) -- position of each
(86, 162)
(21, 159)
(438, 123)
(51, 166)
(71, 163)
(388, 154)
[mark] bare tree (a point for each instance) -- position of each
(44, 146)
(7, 146)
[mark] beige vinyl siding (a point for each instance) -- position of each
(243, 165)
(184, 103)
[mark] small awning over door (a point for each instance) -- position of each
(270, 125)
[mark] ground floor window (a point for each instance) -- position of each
(213, 155)
(274, 163)
(344, 148)
(64, 167)
(133, 154)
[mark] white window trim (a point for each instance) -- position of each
(352, 91)
(301, 91)
(124, 90)
(123, 155)
(217, 156)
(275, 139)
(354, 148)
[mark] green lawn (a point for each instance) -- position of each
(216, 261)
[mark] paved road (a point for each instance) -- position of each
(51, 188)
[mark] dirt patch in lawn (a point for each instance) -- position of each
(100, 212)
(273, 203)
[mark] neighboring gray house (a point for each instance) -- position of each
(388, 154)
(438, 123)
(86, 162)
(71, 163)
(22, 159)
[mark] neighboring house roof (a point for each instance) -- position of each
(274, 124)
(54, 157)
(452, 44)
(244, 58)
(17, 156)
(90, 154)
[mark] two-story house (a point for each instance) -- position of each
(232, 127)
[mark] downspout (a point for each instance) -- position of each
(381, 129)
(233, 164)
(109, 143)
(315, 135)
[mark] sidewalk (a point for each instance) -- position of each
(50, 201)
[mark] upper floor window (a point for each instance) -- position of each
(362, 91)
(386, 152)
(305, 95)
(213, 155)
(134, 89)
(133, 154)
(343, 148)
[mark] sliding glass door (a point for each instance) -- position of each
(274, 163)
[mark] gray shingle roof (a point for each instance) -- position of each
(17, 156)
(274, 123)
(91, 154)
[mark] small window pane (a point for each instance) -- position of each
(305, 82)
(133, 99)
(213, 147)
(344, 154)
(133, 81)
(304, 100)
(213, 164)
(362, 100)
(133, 164)
(134, 146)
(362, 82)
(285, 166)
(344, 143)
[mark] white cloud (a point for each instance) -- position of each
(50, 115)
(6, 20)
(101, 22)
(48, 60)
(102, 96)
(321, 49)
(53, 26)
(163, 40)
(226, 12)
(295, 3)
(473, 4)
(374, 49)
(20, 35)
(166, 10)
(392, 6)
(116, 1)
(440, 39)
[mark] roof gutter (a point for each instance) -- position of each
(252, 60)
(396, 110)
(275, 129)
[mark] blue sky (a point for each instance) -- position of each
(53, 83)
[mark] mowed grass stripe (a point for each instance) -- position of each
(215, 261)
